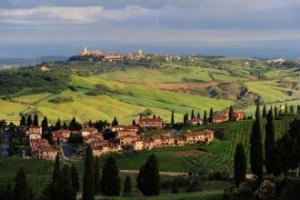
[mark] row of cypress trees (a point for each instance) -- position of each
(276, 156)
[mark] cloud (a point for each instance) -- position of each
(67, 15)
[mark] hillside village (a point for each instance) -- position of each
(126, 137)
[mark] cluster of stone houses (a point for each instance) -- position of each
(39, 148)
(168, 140)
(126, 137)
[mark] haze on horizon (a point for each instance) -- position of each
(33, 28)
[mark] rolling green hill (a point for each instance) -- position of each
(126, 88)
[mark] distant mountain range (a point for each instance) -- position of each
(21, 62)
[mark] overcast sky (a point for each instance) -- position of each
(31, 28)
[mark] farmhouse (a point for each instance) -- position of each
(94, 139)
(61, 135)
(34, 136)
(125, 127)
(138, 145)
(220, 118)
(180, 141)
(239, 115)
(149, 123)
(88, 131)
(167, 140)
(41, 149)
(195, 121)
(35, 130)
(128, 140)
(104, 149)
(205, 136)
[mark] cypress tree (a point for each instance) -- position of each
(75, 178)
(264, 111)
(21, 189)
(74, 125)
(97, 177)
(133, 122)
(110, 180)
(88, 192)
(240, 165)
(35, 120)
(192, 115)
(298, 109)
(185, 118)
(65, 126)
(45, 124)
(127, 186)
(256, 150)
(58, 125)
(23, 121)
(115, 122)
(270, 143)
(231, 114)
(257, 112)
(211, 115)
(198, 115)
(205, 121)
(276, 112)
(56, 170)
(66, 190)
(172, 118)
(29, 120)
(148, 177)
(292, 112)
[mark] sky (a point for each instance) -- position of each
(255, 28)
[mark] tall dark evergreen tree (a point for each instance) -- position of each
(74, 125)
(65, 126)
(45, 124)
(172, 118)
(205, 120)
(257, 112)
(270, 143)
(23, 121)
(75, 178)
(97, 177)
(110, 180)
(240, 165)
(88, 192)
(148, 177)
(66, 190)
(231, 114)
(35, 120)
(115, 122)
(185, 118)
(264, 115)
(256, 149)
(133, 122)
(58, 125)
(29, 120)
(193, 115)
(211, 116)
(21, 190)
(276, 112)
(56, 170)
(127, 186)
(198, 115)
(292, 112)
(298, 109)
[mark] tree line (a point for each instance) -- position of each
(65, 184)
